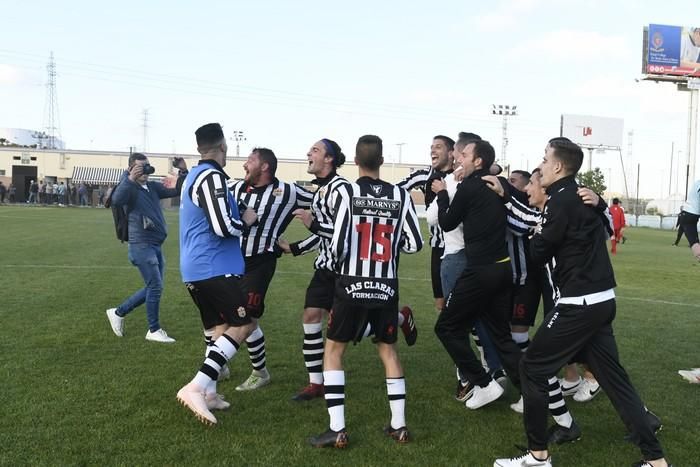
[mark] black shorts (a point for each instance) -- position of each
(526, 300)
(359, 301)
(259, 270)
(320, 292)
(220, 301)
(435, 261)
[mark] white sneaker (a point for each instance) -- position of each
(192, 398)
(159, 336)
(225, 373)
(116, 321)
(256, 380)
(525, 460)
(216, 402)
(568, 388)
(518, 406)
(588, 390)
(692, 376)
(483, 396)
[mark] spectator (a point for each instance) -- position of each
(49, 193)
(41, 194)
(82, 193)
(33, 192)
(13, 193)
(3, 191)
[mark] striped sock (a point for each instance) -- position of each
(557, 406)
(334, 387)
(256, 349)
(313, 352)
(396, 389)
(479, 347)
(223, 350)
(208, 343)
(522, 339)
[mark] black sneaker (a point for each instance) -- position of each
(655, 423)
(500, 377)
(330, 439)
(464, 391)
(558, 434)
(400, 435)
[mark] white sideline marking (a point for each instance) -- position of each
(414, 279)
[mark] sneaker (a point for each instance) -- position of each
(692, 376)
(656, 426)
(330, 439)
(485, 395)
(312, 391)
(588, 390)
(568, 388)
(524, 460)
(116, 321)
(256, 380)
(400, 435)
(159, 336)
(194, 399)
(408, 327)
(558, 434)
(225, 373)
(518, 406)
(500, 377)
(216, 402)
(464, 391)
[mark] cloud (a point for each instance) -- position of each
(10, 75)
(572, 44)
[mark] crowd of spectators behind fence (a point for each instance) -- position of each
(57, 193)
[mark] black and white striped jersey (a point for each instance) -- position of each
(421, 179)
(375, 220)
(323, 209)
(208, 191)
(274, 204)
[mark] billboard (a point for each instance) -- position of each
(590, 131)
(672, 51)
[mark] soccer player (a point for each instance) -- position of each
(483, 291)
(273, 201)
(581, 321)
(619, 223)
(211, 264)
(441, 161)
(374, 221)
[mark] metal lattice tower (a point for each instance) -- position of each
(145, 130)
(505, 111)
(52, 123)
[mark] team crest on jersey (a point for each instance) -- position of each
(322, 191)
(377, 189)
(241, 311)
(277, 192)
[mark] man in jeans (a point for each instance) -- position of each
(147, 231)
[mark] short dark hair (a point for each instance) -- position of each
(568, 152)
(484, 151)
(268, 157)
(209, 134)
(368, 152)
(333, 150)
(616, 200)
(449, 142)
(136, 156)
(465, 138)
(536, 170)
(524, 173)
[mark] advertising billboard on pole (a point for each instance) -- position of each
(592, 132)
(672, 52)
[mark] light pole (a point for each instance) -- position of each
(238, 136)
(400, 146)
(505, 111)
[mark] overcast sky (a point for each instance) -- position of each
(289, 73)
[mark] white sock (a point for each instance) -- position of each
(334, 386)
(223, 350)
(396, 390)
(313, 352)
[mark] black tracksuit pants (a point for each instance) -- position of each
(481, 293)
(581, 333)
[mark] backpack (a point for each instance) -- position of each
(121, 217)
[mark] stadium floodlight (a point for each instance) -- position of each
(238, 136)
(505, 111)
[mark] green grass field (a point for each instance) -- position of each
(75, 394)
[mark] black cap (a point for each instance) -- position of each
(210, 133)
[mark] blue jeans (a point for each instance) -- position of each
(451, 268)
(149, 259)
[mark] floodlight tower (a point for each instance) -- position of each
(51, 121)
(238, 136)
(505, 111)
(144, 125)
(400, 146)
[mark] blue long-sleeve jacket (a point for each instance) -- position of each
(146, 221)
